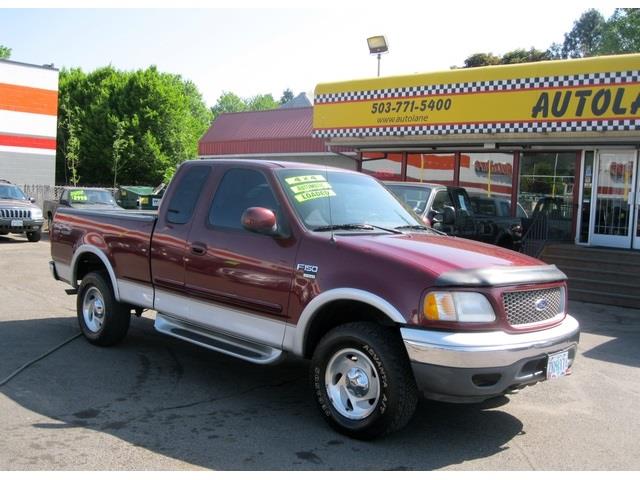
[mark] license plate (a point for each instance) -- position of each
(557, 365)
(17, 223)
(155, 202)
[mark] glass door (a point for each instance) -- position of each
(613, 207)
(636, 234)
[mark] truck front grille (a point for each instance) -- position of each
(531, 306)
(14, 213)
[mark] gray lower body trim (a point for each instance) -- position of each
(136, 293)
(62, 271)
(215, 317)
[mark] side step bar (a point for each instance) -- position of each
(217, 341)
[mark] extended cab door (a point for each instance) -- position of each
(169, 242)
(241, 280)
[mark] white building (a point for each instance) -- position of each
(28, 123)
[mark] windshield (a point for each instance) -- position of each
(415, 197)
(84, 196)
(355, 200)
(11, 192)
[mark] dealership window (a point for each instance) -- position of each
(385, 166)
(546, 189)
(431, 168)
(488, 178)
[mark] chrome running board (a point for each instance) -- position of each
(217, 341)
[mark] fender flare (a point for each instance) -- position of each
(295, 336)
(101, 255)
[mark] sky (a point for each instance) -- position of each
(267, 50)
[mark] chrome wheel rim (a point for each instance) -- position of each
(93, 309)
(353, 384)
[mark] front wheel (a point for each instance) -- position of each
(362, 380)
(103, 320)
(34, 236)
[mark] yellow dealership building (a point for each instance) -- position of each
(558, 138)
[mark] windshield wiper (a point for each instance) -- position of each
(420, 227)
(354, 226)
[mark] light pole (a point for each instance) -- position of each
(377, 46)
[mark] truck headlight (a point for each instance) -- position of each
(468, 307)
(36, 214)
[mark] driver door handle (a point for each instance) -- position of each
(198, 248)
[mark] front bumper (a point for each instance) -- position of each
(474, 366)
(28, 225)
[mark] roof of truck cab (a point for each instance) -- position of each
(272, 164)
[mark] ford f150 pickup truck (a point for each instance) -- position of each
(259, 259)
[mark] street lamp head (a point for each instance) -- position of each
(377, 44)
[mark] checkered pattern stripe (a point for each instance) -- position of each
(587, 79)
(497, 127)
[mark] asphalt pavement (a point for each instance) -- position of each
(156, 403)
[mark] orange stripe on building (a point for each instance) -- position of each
(28, 99)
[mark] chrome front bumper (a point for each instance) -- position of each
(472, 366)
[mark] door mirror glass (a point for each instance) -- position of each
(259, 220)
(448, 215)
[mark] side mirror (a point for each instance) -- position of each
(449, 215)
(259, 220)
(32, 200)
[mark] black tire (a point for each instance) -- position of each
(34, 236)
(112, 325)
(398, 395)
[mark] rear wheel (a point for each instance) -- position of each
(34, 236)
(103, 320)
(362, 380)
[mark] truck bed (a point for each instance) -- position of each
(123, 237)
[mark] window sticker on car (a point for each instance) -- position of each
(309, 187)
(78, 196)
(304, 179)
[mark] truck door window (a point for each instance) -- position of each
(184, 198)
(241, 189)
(441, 200)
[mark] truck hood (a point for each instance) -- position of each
(6, 203)
(437, 254)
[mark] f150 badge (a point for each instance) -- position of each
(308, 271)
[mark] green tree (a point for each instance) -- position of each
(287, 96)
(5, 52)
(262, 102)
(586, 37)
(622, 32)
(481, 60)
(135, 125)
(228, 102)
(521, 55)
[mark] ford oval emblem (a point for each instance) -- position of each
(541, 304)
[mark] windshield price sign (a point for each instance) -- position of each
(309, 187)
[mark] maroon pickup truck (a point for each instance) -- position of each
(260, 259)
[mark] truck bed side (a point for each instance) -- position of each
(120, 240)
